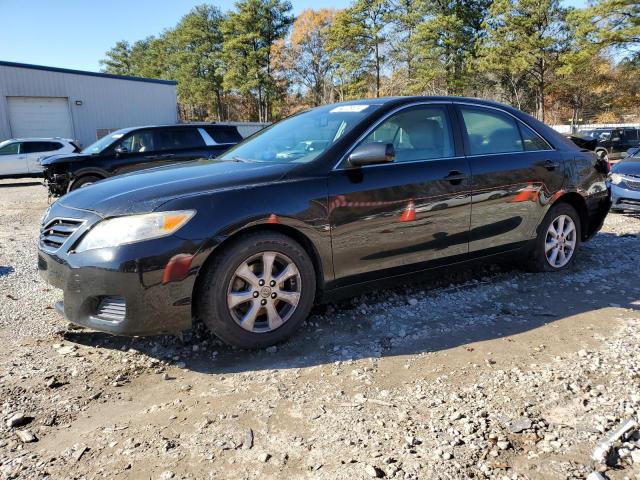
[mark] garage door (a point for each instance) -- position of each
(39, 117)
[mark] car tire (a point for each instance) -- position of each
(84, 181)
(238, 274)
(556, 251)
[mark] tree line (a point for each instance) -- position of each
(259, 62)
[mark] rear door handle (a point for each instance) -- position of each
(455, 177)
(550, 164)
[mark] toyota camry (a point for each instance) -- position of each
(249, 241)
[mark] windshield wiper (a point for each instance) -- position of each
(242, 160)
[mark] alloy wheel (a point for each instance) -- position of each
(264, 291)
(560, 241)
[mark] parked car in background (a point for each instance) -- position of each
(624, 182)
(597, 133)
(249, 241)
(131, 149)
(20, 157)
(614, 144)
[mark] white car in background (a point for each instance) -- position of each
(20, 157)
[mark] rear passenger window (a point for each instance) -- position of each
(179, 138)
(532, 141)
(36, 147)
(491, 132)
(417, 133)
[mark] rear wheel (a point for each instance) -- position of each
(258, 290)
(558, 239)
(84, 181)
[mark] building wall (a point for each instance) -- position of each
(107, 103)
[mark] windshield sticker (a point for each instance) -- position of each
(117, 136)
(349, 108)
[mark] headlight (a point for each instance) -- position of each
(134, 228)
(616, 178)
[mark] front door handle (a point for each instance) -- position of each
(550, 164)
(455, 177)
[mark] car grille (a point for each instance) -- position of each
(55, 233)
(632, 184)
(111, 309)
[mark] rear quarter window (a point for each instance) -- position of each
(224, 134)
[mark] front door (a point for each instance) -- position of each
(12, 160)
(515, 175)
(408, 214)
(138, 150)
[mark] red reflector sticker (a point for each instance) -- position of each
(177, 268)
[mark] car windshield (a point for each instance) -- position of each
(103, 143)
(301, 138)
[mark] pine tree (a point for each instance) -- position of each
(250, 34)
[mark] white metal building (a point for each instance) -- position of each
(38, 101)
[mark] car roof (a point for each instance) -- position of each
(417, 98)
(177, 125)
(41, 139)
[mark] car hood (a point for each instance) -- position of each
(629, 166)
(144, 191)
(63, 158)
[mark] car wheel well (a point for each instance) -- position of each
(79, 178)
(577, 202)
(291, 232)
(601, 150)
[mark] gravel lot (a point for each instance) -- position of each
(495, 373)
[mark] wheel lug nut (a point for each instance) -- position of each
(261, 283)
(272, 283)
(255, 294)
(263, 302)
(274, 295)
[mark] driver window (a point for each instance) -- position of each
(139, 142)
(417, 133)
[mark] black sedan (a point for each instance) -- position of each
(249, 241)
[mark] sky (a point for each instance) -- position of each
(76, 33)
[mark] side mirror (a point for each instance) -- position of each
(372, 153)
(120, 150)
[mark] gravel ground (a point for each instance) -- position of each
(493, 373)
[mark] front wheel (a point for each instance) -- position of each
(258, 290)
(558, 239)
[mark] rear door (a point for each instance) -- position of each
(408, 214)
(12, 160)
(36, 150)
(515, 174)
(180, 144)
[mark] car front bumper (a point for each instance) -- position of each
(122, 290)
(625, 198)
